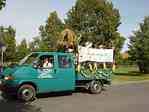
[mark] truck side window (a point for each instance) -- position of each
(47, 61)
(64, 62)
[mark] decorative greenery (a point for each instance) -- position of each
(68, 41)
(97, 74)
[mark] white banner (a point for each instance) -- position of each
(97, 55)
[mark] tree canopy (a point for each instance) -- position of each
(22, 49)
(8, 38)
(2, 3)
(139, 46)
(96, 21)
(50, 32)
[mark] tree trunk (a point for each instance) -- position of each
(143, 66)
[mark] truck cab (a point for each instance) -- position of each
(30, 76)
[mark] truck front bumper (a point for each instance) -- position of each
(6, 88)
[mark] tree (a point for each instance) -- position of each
(96, 21)
(35, 44)
(139, 46)
(50, 33)
(22, 49)
(8, 38)
(118, 45)
(2, 3)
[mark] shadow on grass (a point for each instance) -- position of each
(131, 73)
(128, 71)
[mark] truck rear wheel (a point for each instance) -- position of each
(26, 92)
(95, 87)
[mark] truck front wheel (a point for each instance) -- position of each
(95, 87)
(26, 92)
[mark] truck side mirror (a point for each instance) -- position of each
(35, 65)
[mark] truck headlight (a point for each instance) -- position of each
(9, 77)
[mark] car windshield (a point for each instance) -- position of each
(29, 59)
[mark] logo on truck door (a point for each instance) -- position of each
(45, 74)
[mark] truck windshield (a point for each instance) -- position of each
(29, 59)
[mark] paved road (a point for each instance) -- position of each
(119, 98)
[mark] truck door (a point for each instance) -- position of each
(65, 72)
(59, 77)
(47, 74)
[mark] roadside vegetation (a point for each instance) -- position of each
(129, 73)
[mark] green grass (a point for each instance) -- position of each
(129, 73)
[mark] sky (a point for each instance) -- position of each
(27, 15)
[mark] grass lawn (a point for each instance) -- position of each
(129, 73)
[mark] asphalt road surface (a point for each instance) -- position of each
(118, 98)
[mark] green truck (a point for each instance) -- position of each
(29, 77)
